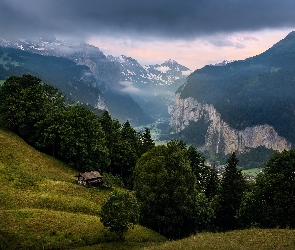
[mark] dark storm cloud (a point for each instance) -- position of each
(166, 18)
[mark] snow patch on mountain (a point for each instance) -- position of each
(163, 69)
(159, 74)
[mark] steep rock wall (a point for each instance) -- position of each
(220, 136)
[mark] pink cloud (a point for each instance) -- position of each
(250, 38)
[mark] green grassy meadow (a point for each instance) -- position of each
(252, 171)
(260, 239)
(43, 207)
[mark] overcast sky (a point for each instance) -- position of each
(192, 32)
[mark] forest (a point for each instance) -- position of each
(176, 193)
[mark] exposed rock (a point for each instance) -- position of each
(221, 136)
(101, 103)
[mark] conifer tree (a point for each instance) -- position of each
(232, 188)
(147, 142)
(212, 184)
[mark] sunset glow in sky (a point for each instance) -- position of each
(192, 32)
(193, 54)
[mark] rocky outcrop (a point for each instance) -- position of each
(221, 136)
(101, 103)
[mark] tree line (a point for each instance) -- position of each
(176, 193)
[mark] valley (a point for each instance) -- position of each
(201, 113)
(189, 131)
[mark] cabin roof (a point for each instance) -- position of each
(91, 175)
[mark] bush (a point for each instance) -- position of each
(119, 212)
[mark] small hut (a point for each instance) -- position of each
(90, 179)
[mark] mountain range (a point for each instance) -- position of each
(111, 83)
(243, 106)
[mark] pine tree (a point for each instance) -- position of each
(212, 185)
(147, 142)
(232, 188)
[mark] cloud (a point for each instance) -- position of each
(128, 87)
(172, 19)
(226, 43)
(250, 38)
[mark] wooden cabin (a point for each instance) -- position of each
(90, 179)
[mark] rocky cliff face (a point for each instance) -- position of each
(220, 136)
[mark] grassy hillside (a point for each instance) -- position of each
(41, 205)
(245, 239)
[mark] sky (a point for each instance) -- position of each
(192, 32)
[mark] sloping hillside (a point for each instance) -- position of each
(262, 239)
(43, 207)
(241, 105)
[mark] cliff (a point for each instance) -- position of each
(220, 136)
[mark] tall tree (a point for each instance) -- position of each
(111, 128)
(25, 101)
(82, 140)
(201, 171)
(212, 184)
(232, 187)
(130, 135)
(272, 200)
(125, 154)
(147, 142)
(166, 188)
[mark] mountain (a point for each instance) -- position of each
(152, 86)
(105, 91)
(76, 82)
(241, 105)
(166, 73)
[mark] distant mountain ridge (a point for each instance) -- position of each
(60, 64)
(166, 73)
(243, 104)
(110, 73)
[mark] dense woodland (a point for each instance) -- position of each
(177, 193)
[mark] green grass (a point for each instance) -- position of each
(261, 239)
(42, 206)
(252, 171)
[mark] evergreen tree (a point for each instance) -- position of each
(201, 171)
(212, 184)
(130, 135)
(111, 128)
(147, 142)
(232, 188)
(272, 200)
(125, 154)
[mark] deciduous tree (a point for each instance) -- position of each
(166, 187)
(119, 212)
